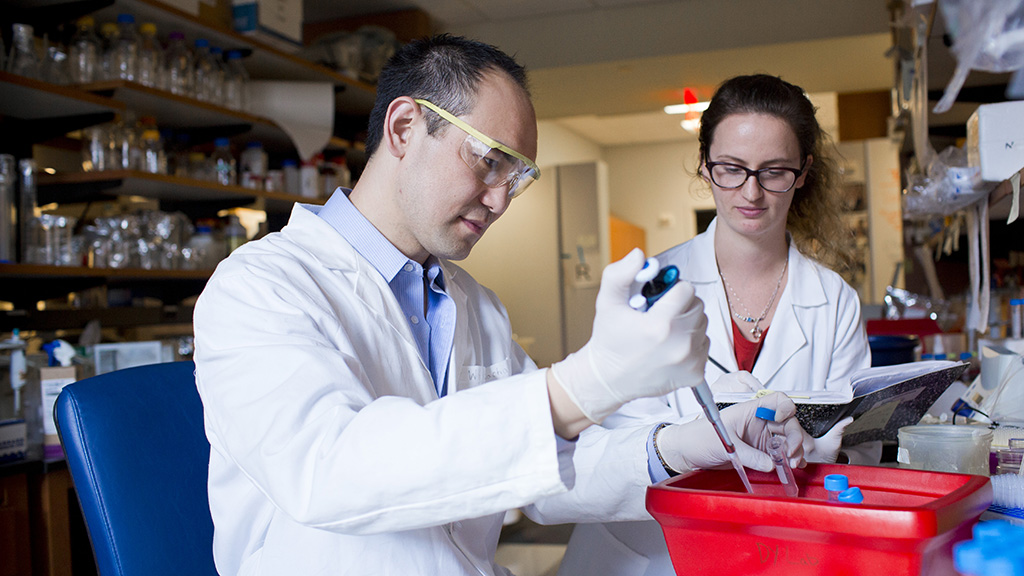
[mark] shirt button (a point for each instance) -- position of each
(408, 267)
(414, 319)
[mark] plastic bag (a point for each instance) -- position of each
(948, 186)
(988, 35)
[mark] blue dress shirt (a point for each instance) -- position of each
(420, 291)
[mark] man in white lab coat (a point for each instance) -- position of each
(367, 409)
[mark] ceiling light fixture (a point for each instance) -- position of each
(691, 107)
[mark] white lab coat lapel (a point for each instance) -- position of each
(334, 252)
(457, 358)
(706, 281)
(786, 335)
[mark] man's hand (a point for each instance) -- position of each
(633, 354)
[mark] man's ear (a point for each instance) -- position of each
(399, 124)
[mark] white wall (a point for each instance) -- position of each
(518, 258)
(652, 186)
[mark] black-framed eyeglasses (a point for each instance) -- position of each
(777, 179)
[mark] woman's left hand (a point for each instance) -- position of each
(695, 445)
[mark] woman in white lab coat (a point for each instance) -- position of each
(775, 308)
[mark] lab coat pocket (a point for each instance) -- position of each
(476, 375)
(594, 550)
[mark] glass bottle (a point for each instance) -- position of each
(234, 233)
(27, 209)
(8, 212)
(94, 148)
(178, 65)
(108, 42)
(23, 60)
(151, 57)
(203, 69)
(253, 166)
(56, 68)
(125, 64)
(85, 52)
(199, 167)
(292, 184)
(236, 80)
(153, 159)
(217, 84)
(224, 163)
(129, 141)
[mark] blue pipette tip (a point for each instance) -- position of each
(765, 413)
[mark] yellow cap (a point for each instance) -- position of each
(86, 21)
(151, 135)
(147, 28)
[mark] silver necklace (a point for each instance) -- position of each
(756, 331)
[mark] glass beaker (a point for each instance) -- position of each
(23, 60)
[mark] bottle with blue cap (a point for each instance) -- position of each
(836, 484)
(994, 551)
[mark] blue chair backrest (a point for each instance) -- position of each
(138, 455)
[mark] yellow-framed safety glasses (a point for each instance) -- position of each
(493, 163)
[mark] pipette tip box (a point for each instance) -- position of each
(906, 525)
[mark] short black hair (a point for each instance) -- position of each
(443, 69)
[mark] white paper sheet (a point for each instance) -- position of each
(304, 110)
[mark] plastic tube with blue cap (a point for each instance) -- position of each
(777, 452)
(835, 484)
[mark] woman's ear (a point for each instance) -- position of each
(399, 122)
(803, 176)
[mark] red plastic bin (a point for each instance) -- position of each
(906, 526)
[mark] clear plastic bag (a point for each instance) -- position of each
(988, 35)
(948, 185)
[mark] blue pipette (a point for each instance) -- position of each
(655, 285)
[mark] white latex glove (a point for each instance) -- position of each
(826, 448)
(741, 381)
(695, 445)
(633, 354)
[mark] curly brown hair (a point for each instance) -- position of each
(815, 216)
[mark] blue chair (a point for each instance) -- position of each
(138, 456)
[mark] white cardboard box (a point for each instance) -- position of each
(995, 140)
(277, 22)
(12, 440)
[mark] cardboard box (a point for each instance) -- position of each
(13, 440)
(275, 22)
(995, 140)
(49, 382)
(906, 525)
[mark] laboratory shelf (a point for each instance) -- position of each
(204, 121)
(172, 191)
(25, 284)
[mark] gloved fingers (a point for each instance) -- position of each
(741, 381)
(838, 428)
(782, 404)
(796, 451)
(617, 279)
(751, 457)
(680, 302)
(826, 448)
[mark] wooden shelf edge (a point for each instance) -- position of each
(40, 270)
(71, 91)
